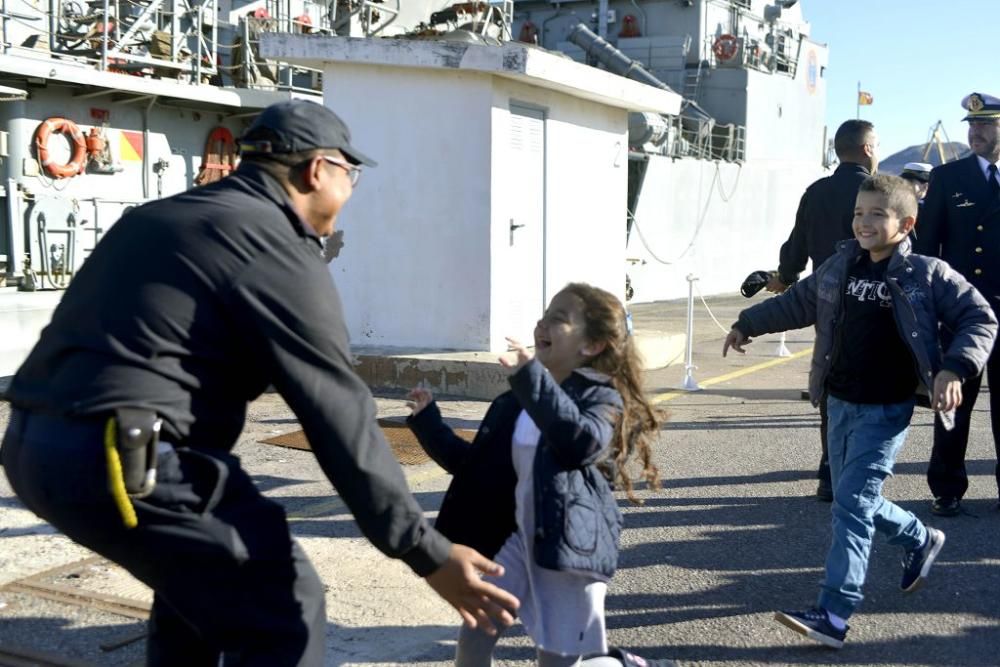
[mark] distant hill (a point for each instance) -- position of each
(894, 163)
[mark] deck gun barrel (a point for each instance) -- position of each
(611, 57)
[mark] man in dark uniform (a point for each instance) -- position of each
(960, 223)
(825, 214)
(187, 310)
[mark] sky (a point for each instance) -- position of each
(918, 59)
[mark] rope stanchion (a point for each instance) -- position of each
(782, 349)
(710, 313)
(690, 384)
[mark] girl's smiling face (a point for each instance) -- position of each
(560, 336)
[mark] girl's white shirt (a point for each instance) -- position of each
(526, 434)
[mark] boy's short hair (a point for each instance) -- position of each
(901, 199)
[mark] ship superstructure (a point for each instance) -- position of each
(107, 104)
(712, 191)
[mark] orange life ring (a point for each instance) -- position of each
(77, 161)
(725, 47)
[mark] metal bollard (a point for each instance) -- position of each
(782, 350)
(690, 384)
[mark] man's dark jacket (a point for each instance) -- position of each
(960, 223)
(825, 214)
(576, 515)
(191, 306)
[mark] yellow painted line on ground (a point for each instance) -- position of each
(671, 395)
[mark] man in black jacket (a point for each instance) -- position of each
(825, 213)
(960, 223)
(126, 410)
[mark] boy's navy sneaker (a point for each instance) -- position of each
(917, 563)
(814, 624)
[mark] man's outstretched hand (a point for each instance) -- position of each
(735, 340)
(480, 603)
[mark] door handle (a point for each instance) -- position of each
(513, 228)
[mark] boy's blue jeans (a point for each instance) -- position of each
(863, 441)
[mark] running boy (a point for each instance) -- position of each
(876, 307)
(534, 487)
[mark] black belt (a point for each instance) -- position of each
(130, 438)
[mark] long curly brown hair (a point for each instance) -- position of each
(639, 424)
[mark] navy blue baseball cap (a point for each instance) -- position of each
(299, 125)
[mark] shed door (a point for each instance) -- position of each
(526, 220)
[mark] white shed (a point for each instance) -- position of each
(502, 176)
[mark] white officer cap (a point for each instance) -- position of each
(917, 171)
(981, 106)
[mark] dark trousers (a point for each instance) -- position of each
(228, 579)
(823, 473)
(946, 474)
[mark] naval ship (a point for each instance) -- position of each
(107, 104)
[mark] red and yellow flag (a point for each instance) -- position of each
(864, 99)
(130, 146)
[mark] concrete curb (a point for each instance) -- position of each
(477, 374)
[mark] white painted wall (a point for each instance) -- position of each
(719, 221)
(588, 181)
(414, 271)
(585, 183)
(784, 118)
(426, 262)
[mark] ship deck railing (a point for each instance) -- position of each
(755, 54)
(704, 140)
(168, 39)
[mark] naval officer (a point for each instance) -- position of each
(960, 223)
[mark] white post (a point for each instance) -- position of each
(782, 350)
(690, 384)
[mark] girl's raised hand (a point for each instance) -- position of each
(418, 399)
(516, 356)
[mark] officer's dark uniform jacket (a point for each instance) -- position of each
(191, 306)
(925, 292)
(960, 223)
(576, 515)
(824, 217)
